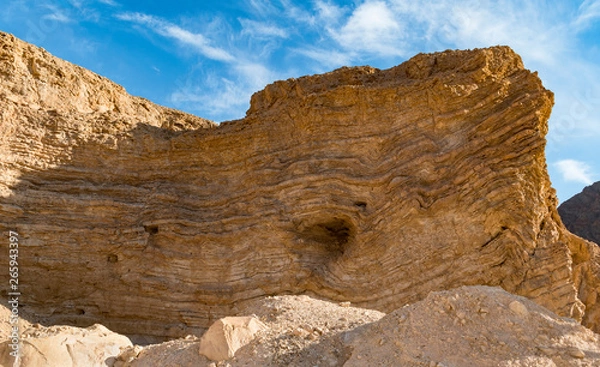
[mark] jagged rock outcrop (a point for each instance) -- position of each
(363, 185)
(581, 213)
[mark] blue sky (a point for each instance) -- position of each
(208, 57)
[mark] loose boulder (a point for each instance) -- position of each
(227, 335)
(60, 346)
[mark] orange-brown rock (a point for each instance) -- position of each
(363, 185)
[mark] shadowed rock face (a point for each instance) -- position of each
(373, 186)
(581, 213)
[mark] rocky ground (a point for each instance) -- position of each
(468, 326)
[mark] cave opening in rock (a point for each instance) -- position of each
(331, 236)
(151, 229)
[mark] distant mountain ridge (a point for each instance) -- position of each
(581, 213)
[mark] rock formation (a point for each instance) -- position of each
(581, 213)
(362, 185)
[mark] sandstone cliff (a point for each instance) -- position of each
(581, 213)
(363, 185)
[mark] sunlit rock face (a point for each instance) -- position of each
(363, 185)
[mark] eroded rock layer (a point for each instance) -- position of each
(363, 185)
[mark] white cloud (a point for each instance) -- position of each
(223, 97)
(109, 2)
(262, 7)
(535, 28)
(56, 13)
(575, 171)
(262, 30)
(166, 29)
(227, 96)
(371, 28)
(218, 97)
(58, 16)
(255, 75)
(589, 11)
(328, 59)
(328, 12)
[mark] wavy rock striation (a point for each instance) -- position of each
(363, 185)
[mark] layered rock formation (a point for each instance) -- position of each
(363, 185)
(581, 213)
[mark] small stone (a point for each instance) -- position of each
(518, 308)
(547, 351)
(576, 353)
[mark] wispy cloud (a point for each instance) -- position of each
(262, 8)
(261, 29)
(575, 171)
(328, 12)
(326, 58)
(223, 96)
(589, 10)
(185, 37)
(57, 16)
(109, 2)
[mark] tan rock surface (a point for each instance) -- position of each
(225, 336)
(60, 346)
(362, 185)
(295, 325)
(470, 326)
